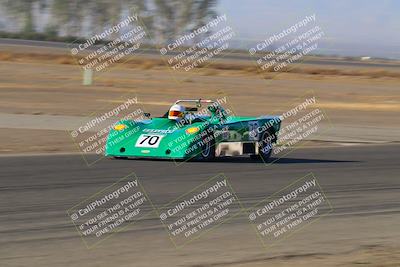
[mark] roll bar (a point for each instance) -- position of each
(197, 101)
(217, 109)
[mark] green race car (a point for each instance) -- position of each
(194, 129)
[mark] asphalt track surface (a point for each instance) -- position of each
(362, 183)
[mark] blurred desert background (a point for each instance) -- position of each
(354, 72)
(42, 95)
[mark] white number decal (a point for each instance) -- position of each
(149, 140)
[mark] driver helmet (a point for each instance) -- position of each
(176, 112)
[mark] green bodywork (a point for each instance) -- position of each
(176, 141)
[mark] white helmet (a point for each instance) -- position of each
(176, 112)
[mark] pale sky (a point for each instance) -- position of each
(352, 27)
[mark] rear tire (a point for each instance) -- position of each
(264, 147)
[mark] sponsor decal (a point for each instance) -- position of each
(161, 131)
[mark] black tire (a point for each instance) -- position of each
(264, 146)
(207, 147)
